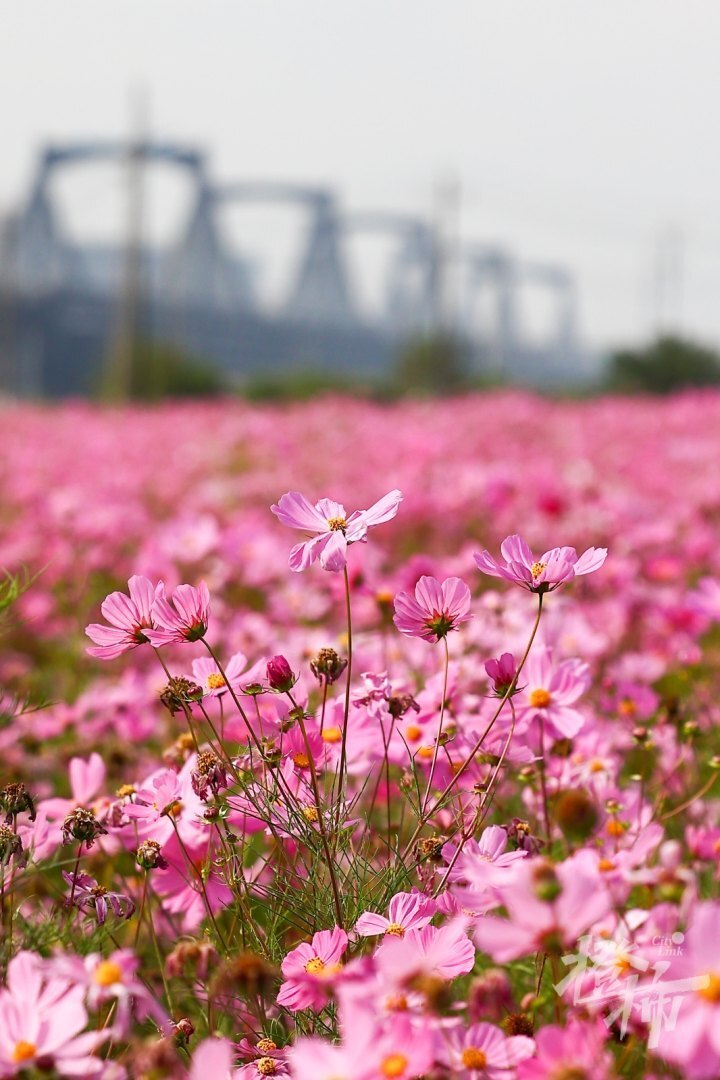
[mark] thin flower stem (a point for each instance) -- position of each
(348, 676)
(321, 822)
(141, 912)
(543, 782)
(198, 874)
(346, 714)
(470, 757)
(481, 813)
(233, 695)
(74, 876)
(439, 734)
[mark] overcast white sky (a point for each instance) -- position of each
(579, 131)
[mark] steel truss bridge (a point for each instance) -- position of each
(60, 301)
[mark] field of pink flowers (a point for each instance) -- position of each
(335, 747)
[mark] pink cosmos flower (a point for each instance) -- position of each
(484, 1051)
(310, 969)
(331, 527)
(185, 618)
(130, 617)
(443, 951)
(569, 1051)
(551, 691)
(113, 979)
(539, 574)
(369, 1051)
(207, 674)
(434, 610)
(214, 1058)
(89, 897)
(41, 1018)
(406, 911)
(485, 862)
(694, 1041)
(549, 906)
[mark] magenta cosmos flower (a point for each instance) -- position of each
(183, 618)
(434, 610)
(539, 574)
(331, 528)
(130, 617)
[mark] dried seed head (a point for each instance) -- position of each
(327, 666)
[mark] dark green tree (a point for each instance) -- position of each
(668, 364)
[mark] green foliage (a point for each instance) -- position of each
(161, 370)
(668, 364)
(301, 384)
(434, 364)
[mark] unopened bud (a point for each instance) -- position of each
(280, 675)
(547, 887)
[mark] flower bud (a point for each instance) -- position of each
(490, 996)
(576, 814)
(184, 1031)
(280, 675)
(547, 887)
(502, 673)
(519, 1024)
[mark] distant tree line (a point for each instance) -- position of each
(437, 364)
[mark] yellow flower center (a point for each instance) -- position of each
(395, 930)
(426, 752)
(597, 766)
(623, 964)
(310, 813)
(315, 966)
(537, 568)
(266, 1045)
(615, 827)
(474, 1058)
(215, 681)
(337, 524)
(606, 865)
(540, 699)
(107, 973)
(711, 992)
(24, 1051)
(332, 734)
(413, 732)
(394, 1065)
(627, 707)
(266, 1066)
(301, 760)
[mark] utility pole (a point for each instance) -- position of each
(121, 363)
(447, 245)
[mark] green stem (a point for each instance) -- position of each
(439, 734)
(469, 759)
